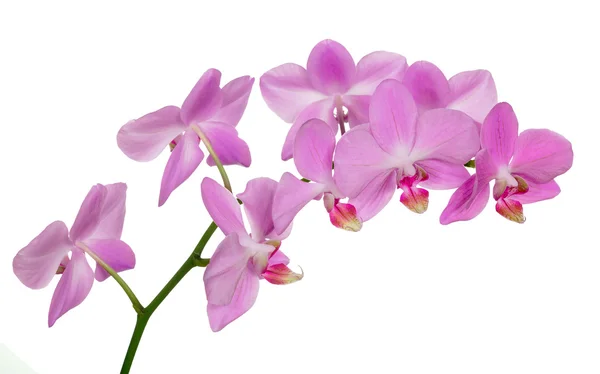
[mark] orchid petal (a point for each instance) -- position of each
(445, 135)
(375, 195)
(88, 217)
(36, 264)
(485, 168)
(376, 67)
(290, 197)
(393, 117)
(112, 213)
(183, 161)
(116, 253)
(205, 99)
(345, 216)
(72, 288)
(510, 209)
(258, 205)
(499, 133)
(235, 100)
(322, 110)
(313, 151)
(427, 84)
(474, 93)
(222, 207)
(358, 160)
(280, 274)
(466, 203)
(243, 299)
(541, 155)
(224, 140)
(538, 192)
(143, 139)
(278, 257)
(443, 175)
(287, 91)
(415, 199)
(330, 67)
(225, 269)
(358, 109)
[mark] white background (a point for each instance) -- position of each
(404, 295)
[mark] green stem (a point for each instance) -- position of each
(134, 300)
(192, 261)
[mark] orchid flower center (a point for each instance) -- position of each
(505, 176)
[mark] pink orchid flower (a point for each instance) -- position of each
(400, 149)
(330, 80)
(97, 230)
(232, 278)
(313, 156)
(471, 92)
(523, 167)
(209, 113)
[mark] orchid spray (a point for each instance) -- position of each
(409, 128)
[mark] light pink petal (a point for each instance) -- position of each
(225, 269)
(446, 135)
(485, 167)
(427, 84)
(235, 100)
(313, 151)
(143, 139)
(541, 155)
(278, 257)
(287, 91)
(473, 92)
(375, 68)
(290, 197)
(183, 161)
(227, 145)
(243, 299)
(358, 160)
(205, 99)
(74, 286)
(499, 133)
(116, 253)
(222, 207)
(358, 109)
(322, 110)
(112, 213)
(443, 175)
(375, 195)
(258, 205)
(393, 117)
(538, 192)
(36, 264)
(330, 68)
(464, 204)
(89, 214)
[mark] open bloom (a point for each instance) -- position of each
(523, 167)
(330, 80)
(471, 92)
(209, 113)
(400, 149)
(232, 278)
(97, 229)
(313, 156)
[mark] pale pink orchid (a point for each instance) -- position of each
(400, 149)
(523, 167)
(331, 88)
(241, 260)
(209, 113)
(471, 92)
(313, 155)
(97, 230)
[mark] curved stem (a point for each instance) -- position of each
(134, 300)
(216, 159)
(142, 319)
